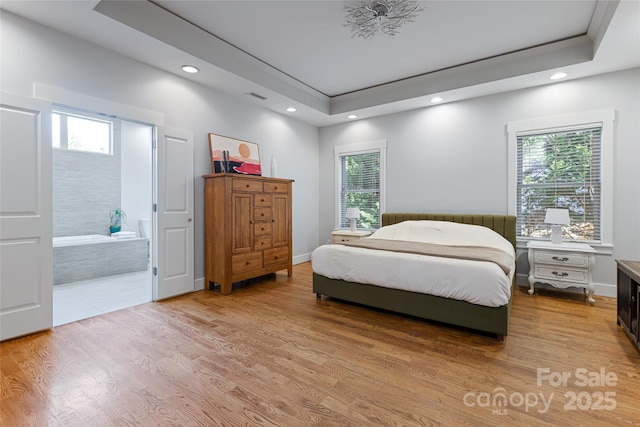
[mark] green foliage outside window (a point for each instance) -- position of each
(560, 170)
(360, 188)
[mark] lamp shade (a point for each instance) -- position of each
(557, 216)
(352, 213)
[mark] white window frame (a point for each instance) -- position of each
(65, 113)
(549, 124)
(377, 146)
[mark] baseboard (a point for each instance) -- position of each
(299, 259)
(198, 284)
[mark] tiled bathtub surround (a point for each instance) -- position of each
(98, 258)
(86, 187)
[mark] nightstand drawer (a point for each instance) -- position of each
(549, 272)
(558, 258)
(337, 238)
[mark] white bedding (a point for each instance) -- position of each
(477, 282)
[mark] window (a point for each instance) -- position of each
(562, 163)
(81, 133)
(360, 182)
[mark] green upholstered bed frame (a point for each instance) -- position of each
(493, 320)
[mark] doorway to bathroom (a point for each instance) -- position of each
(102, 179)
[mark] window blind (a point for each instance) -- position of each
(360, 188)
(560, 169)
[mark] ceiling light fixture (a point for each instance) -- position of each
(436, 99)
(190, 69)
(366, 18)
(352, 116)
(291, 109)
(557, 76)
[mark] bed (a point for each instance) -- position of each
(490, 316)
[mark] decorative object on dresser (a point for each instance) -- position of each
(629, 298)
(230, 155)
(408, 283)
(247, 228)
(561, 265)
(338, 236)
(557, 218)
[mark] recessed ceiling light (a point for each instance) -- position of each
(436, 99)
(352, 116)
(557, 76)
(189, 69)
(291, 109)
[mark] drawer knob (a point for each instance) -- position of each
(262, 200)
(276, 257)
(247, 263)
(247, 185)
(275, 188)
(562, 274)
(261, 214)
(557, 258)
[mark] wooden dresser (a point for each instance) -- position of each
(247, 228)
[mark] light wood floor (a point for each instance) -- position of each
(269, 354)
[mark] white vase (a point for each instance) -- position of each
(274, 167)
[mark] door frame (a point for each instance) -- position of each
(155, 119)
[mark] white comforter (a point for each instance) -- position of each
(477, 282)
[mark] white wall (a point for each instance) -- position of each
(32, 53)
(136, 170)
(452, 158)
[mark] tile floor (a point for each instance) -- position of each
(80, 300)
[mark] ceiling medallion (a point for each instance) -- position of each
(366, 18)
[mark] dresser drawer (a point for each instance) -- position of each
(262, 200)
(276, 256)
(549, 272)
(240, 184)
(262, 228)
(262, 242)
(568, 259)
(262, 214)
(275, 187)
(246, 262)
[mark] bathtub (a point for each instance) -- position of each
(60, 242)
(77, 258)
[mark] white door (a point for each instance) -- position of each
(173, 256)
(26, 274)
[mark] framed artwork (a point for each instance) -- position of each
(230, 155)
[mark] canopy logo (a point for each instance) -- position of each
(499, 400)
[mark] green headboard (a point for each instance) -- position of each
(504, 225)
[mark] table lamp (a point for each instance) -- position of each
(353, 214)
(557, 218)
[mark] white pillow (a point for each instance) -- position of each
(444, 233)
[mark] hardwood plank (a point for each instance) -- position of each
(270, 354)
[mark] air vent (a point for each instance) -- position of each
(255, 95)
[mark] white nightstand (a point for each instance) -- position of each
(561, 265)
(338, 236)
